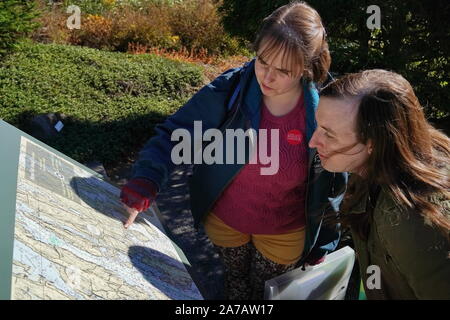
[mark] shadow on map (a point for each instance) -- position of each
(174, 206)
(102, 197)
(164, 273)
(175, 215)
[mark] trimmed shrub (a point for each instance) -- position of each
(112, 100)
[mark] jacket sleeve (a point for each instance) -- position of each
(207, 105)
(420, 252)
(329, 234)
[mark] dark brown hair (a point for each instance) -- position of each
(296, 31)
(409, 156)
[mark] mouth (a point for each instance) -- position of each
(322, 156)
(266, 87)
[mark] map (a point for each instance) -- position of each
(70, 243)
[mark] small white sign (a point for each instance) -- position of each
(59, 126)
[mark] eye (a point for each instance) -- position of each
(328, 135)
(262, 61)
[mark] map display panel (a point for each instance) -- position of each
(70, 243)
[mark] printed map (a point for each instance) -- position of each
(70, 243)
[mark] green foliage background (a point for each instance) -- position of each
(16, 20)
(413, 39)
(112, 100)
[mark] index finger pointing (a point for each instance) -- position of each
(133, 214)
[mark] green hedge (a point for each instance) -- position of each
(112, 100)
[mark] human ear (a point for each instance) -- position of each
(369, 146)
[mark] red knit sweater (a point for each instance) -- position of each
(271, 204)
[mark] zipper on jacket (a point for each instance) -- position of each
(306, 208)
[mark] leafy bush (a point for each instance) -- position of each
(112, 100)
(53, 23)
(170, 24)
(199, 25)
(413, 40)
(116, 29)
(96, 33)
(16, 20)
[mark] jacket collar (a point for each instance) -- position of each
(382, 200)
(311, 101)
(361, 206)
(251, 95)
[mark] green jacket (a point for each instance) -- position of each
(413, 257)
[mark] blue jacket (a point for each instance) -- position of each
(210, 105)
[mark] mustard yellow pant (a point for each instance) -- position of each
(284, 248)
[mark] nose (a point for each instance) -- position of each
(314, 141)
(268, 75)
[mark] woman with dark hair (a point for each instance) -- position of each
(261, 225)
(397, 203)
